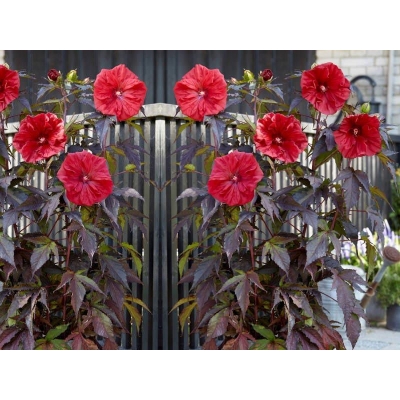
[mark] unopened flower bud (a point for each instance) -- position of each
(72, 76)
(6, 65)
(53, 75)
(365, 108)
(266, 74)
(248, 76)
(314, 65)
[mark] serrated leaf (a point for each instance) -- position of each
(114, 268)
(78, 292)
(88, 241)
(316, 247)
(102, 324)
(218, 324)
(39, 256)
(204, 269)
(279, 255)
(7, 250)
(242, 292)
(232, 242)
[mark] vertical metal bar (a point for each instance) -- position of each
(146, 251)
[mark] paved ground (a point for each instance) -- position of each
(377, 338)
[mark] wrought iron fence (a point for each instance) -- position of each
(161, 248)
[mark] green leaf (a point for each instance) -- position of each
(135, 256)
(185, 255)
(135, 314)
(185, 314)
(264, 332)
(183, 301)
(57, 331)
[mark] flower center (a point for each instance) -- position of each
(278, 140)
(202, 93)
(85, 178)
(235, 178)
(355, 131)
(118, 93)
(42, 139)
(322, 88)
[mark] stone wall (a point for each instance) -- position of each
(381, 65)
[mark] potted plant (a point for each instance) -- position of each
(388, 293)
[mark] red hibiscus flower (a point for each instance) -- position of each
(325, 87)
(86, 178)
(358, 135)
(40, 137)
(201, 92)
(280, 137)
(118, 91)
(9, 86)
(234, 178)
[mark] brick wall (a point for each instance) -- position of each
(376, 64)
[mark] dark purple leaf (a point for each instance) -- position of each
(7, 250)
(316, 247)
(33, 202)
(310, 217)
(88, 241)
(102, 324)
(329, 138)
(7, 335)
(39, 256)
(44, 89)
(51, 204)
(114, 268)
(232, 242)
(279, 255)
(319, 148)
(78, 292)
(294, 103)
(353, 329)
(242, 292)
(363, 179)
(351, 188)
(270, 206)
(218, 324)
(205, 268)
(217, 129)
(313, 336)
(102, 127)
(133, 154)
(376, 221)
(10, 218)
(111, 206)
